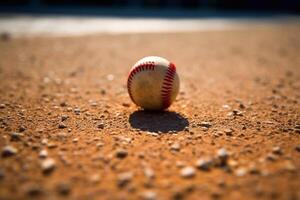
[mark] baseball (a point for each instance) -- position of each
(153, 83)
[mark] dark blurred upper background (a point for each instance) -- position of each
(115, 6)
(288, 6)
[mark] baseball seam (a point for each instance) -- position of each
(167, 86)
(147, 66)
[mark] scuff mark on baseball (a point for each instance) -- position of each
(153, 83)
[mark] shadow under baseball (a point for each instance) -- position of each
(164, 121)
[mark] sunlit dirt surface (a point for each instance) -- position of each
(69, 130)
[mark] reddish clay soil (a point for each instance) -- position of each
(69, 130)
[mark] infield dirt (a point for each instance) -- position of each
(69, 130)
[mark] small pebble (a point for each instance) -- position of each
(297, 148)
(61, 125)
(100, 125)
(95, 178)
(100, 144)
(64, 117)
(51, 145)
(15, 136)
(126, 104)
(48, 165)
(271, 157)
(43, 153)
(75, 140)
(121, 153)
(222, 154)
(187, 172)
(63, 188)
(22, 128)
(44, 141)
(253, 169)
(124, 178)
(63, 104)
(149, 173)
(206, 124)
(277, 150)
(9, 151)
(2, 106)
(77, 111)
(33, 190)
(175, 146)
(204, 164)
(289, 166)
(149, 195)
(241, 172)
(228, 132)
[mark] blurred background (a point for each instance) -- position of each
(122, 16)
(93, 6)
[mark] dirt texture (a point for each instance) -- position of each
(68, 129)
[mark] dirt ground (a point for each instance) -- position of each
(69, 130)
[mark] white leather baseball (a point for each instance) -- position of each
(153, 83)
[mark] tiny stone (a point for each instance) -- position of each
(175, 146)
(121, 153)
(100, 125)
(289, 166)
(228, 131)
(2, 106)
(241, 172)
(103, 92)
(43, 153)
(205, 124)
(149, 173)
(9, 151)
(180, 164)
(48, 165)
(124, 178)
(64, 117)
(22, 128)
(61, 125)
(100, 144)
(33, 190)
(277, 150)
(222, 154)
(64, 189)
(242, 106)
(77, 111)
(126, 104)
(110, 77)
(15, 136)
(237, 112)
(187, 172)
(297, 126)
(271, 157)
(149, 195)
(63, 104)
(75, 140)
(253, 169)
(51, 145)
(93, 103)
(297, 148)
(62, 135)
(204, 164)
(95, 178)
(232, 163)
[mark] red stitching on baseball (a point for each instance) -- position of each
(141, 67)
(167, 86)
